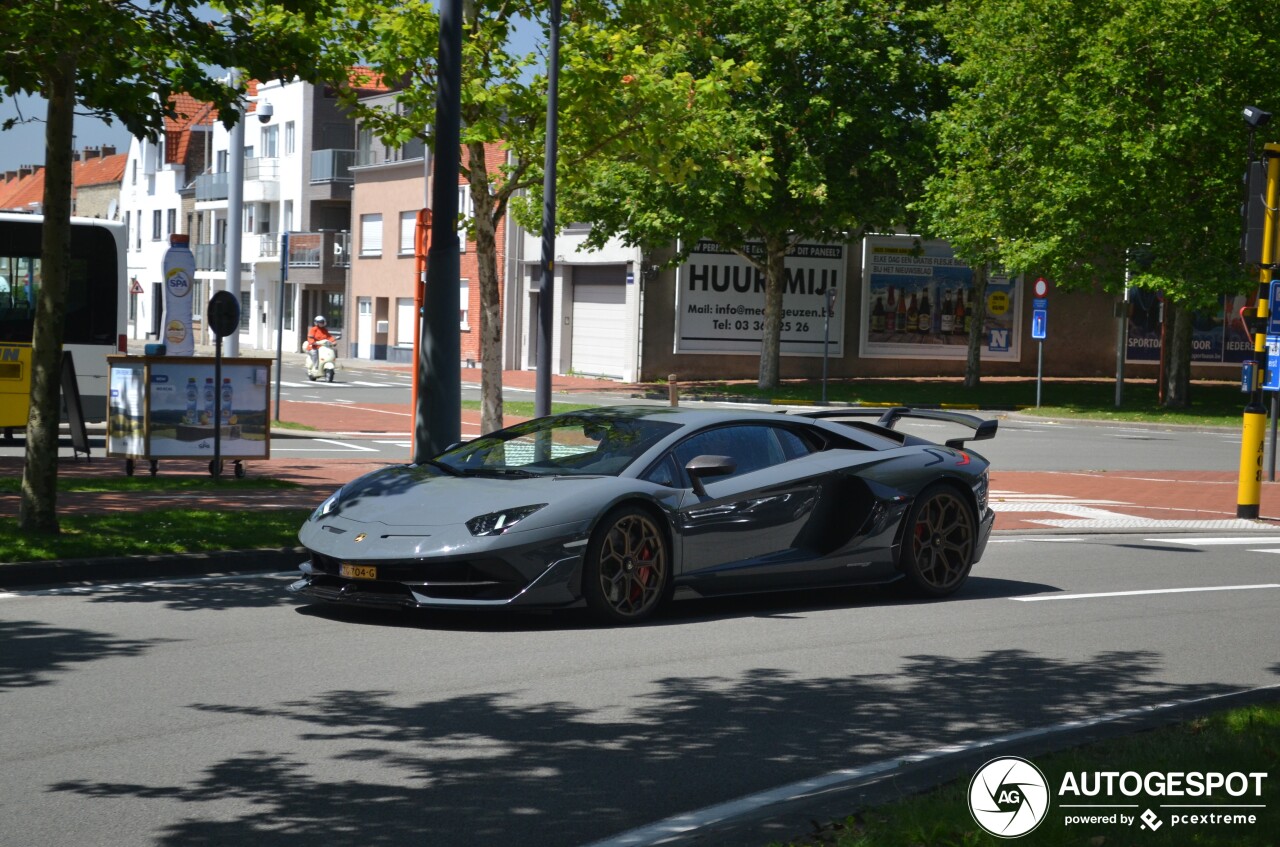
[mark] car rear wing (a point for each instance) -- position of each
(982, 429)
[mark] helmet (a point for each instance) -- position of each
(320, 319)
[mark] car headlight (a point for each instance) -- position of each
(496, 523)
(330, 503)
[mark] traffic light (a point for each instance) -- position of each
(1253, 213)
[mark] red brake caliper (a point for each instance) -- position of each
(643, 573)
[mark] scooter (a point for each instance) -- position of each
(325, 362)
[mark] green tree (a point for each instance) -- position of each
(752, 122)
(1081, 129)
(123, 60)
(502, 102)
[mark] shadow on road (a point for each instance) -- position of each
(488, 769)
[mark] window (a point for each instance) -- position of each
(222, 157)
(134, 173)
(250, 210)
(333, 307)
(466, 211)
(364, 146)
(404, 322)
(128, 226)
(290, 141)
(371, 235)
(464, 304)
(753, 447)
(138, 232)
(171, 222)
(197, 299)
(286, 223)
(246, 300)
(288, 305)
(408, 227)
(156, 235)
(270, 142)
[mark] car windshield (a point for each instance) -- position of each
(573, 443)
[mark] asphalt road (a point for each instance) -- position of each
(225, 712)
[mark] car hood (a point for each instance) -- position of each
(421, 495)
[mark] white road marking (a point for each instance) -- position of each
(1147, 591)
(1085, 515)
(1214, 542)
(665, 830)
(346, 448)
(1046, 540)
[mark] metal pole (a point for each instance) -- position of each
(826, 338)
(216, 467)
(546, 304)
(284, 275)
(235, 212)
(1039, 369)
(1275, 411)
(438, 415)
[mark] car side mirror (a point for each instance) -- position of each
(700, 467)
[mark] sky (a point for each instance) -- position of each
(24, 144)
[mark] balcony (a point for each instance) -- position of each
(211, 187)
(319, 258)
(333, 165)
(268, 245)
(210, 257)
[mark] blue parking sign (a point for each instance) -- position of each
(1271, 382)
(1039, 322)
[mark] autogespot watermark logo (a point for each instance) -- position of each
(1009, 797)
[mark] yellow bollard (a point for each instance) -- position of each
(1252, 444)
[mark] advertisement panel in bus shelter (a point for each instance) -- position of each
(1218, 336)
(917, 302)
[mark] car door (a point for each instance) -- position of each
(745, 533)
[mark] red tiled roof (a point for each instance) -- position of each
(26, 192)
(187, 112)
(103, 170)
(18, 194)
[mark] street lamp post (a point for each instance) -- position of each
(546, 304)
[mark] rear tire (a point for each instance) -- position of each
(626, 575)
(939, 542)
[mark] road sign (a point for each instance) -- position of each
(1042, 287)
(1273, 318)
(1271, 382)
(1039, 321)
(136, 288)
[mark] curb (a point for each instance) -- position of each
(65, 571)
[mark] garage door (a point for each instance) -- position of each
(599, 320)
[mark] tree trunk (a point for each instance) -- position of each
(1177, 372)
(490, 300)
(977, 316)
(38, 508)
(775, 282)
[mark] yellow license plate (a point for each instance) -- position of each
(358, 571)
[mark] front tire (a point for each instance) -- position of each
(329, 375)
(939, 543)
(627, 572)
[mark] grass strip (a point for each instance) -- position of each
(141, 484)
(155, 532)
(1244, 740)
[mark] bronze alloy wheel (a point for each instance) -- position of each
(938, 549)
(627, 569)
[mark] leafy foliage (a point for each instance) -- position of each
(769, 121)
(1080, 130)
